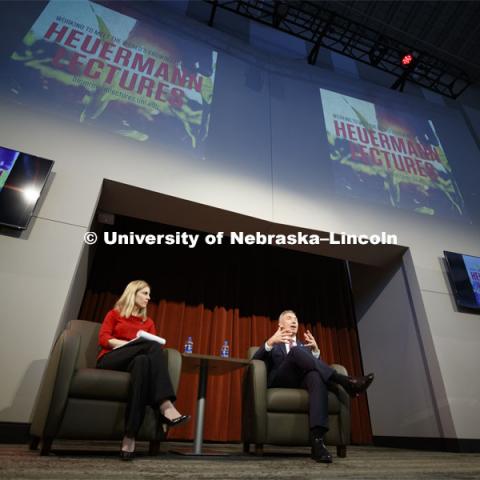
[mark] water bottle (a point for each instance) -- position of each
(225, 350)
(188, 346)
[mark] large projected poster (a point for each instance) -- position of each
(106, 69)
(389, 158)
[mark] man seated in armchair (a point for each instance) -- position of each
(293, 364)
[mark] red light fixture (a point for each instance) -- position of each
(407, 59)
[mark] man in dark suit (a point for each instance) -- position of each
(294, 364)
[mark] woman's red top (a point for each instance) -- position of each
(121, 328)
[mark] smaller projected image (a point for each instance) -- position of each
(389, 158)
(102, 68)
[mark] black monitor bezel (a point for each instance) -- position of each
(467, 304)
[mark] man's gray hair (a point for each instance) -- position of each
(285, 312)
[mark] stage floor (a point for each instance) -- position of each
(99, 460)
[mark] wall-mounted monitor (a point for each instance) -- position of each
(464, 274)
(22, 178)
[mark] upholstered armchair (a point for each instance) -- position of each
(78, 401)
(279, 416)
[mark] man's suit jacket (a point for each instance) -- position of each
(288, 375)
(274, 360)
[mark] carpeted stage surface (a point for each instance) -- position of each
(99, 460)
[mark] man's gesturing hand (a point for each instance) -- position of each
(282, 335)
(310, 341)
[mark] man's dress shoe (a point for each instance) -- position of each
(319, 451)
(357, 385)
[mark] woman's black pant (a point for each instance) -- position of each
(150, 382)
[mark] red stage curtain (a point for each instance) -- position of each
(234, 293)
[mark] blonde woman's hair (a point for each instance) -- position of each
(126, 303)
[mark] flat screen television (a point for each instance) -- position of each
(22, 178)
(464, 274)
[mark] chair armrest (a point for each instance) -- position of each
(174, 362)
(339, 368)
(255, 402)
(344, 400)
(343, 396)
(53, 393)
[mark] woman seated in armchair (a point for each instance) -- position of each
(144, 359)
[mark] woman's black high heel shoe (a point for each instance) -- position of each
(127, 456)
(176, 421)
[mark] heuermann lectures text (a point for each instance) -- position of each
(376, 148)
(138, 73)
